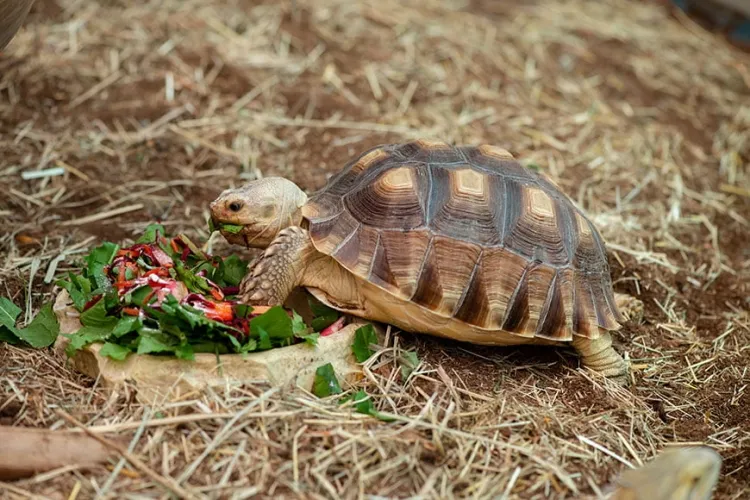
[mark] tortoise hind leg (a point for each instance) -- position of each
(599, 355)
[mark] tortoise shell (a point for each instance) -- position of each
(467, 233)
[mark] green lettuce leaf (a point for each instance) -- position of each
(325, 382)
(151, 233)
(363, 337)
(114, 351)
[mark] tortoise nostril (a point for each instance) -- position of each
(235, 206)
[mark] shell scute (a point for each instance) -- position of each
(447, 268)
(394, 200)
(533, 224)
(404, 267)
(466, 205)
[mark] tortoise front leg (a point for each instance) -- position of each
(279, 270)
(600, 356)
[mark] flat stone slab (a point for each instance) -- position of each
(160, 378)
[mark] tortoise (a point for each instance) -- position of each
(461, 242)
(12, 15)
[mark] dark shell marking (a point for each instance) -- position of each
(468, 233)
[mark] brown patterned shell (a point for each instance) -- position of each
(468, 233)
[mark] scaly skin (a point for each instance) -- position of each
(279, 270)
(600, 356)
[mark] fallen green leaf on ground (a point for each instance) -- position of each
(40, 332)
(364, 336)
(326, 384)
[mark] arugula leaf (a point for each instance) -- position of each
(151, 233)
(97, 326)
(211, 225)
(152, 341)
(363, 337)
(98, 258)
(275, 322)
(325, 382)
(298, 324)
(43, 329)
(96, 317)
(193, 282)
(249, 346)
(231, 270)
(41, 332)
(78, 287)
(8, 336)
(302, 331)
(83, 337)
(127, 324)
(185, 351)
(138, 296)
(363, 404)
(8, 314)
(310, 338)
(265, 341)
(323, 315)
(242, 310)
(409, 362)
(114, 351)
(231, 228)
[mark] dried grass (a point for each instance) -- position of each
(151, 110)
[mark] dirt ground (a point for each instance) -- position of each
(641, 116)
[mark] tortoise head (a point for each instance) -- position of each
(253, 214)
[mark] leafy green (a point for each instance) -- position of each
(363, 404)
(363, 337)
(409, 362)
(7, 336)
(275, 322)
(193, 282)
(302, 331)
(323, 315)
(136, 322)
(41, 332)
(97, 327)
(264, 341)
(152, 340)
(8, 314)
(126, 325)
(151, 232)
(98, 258)
(231, 228)
(43, 329)
(230, 271)
(325, 382)
(78, 287)
(310, 338)
(114, 351)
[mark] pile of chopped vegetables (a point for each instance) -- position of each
(166, 296)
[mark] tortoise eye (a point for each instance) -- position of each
(235, 206)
